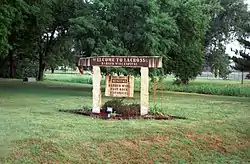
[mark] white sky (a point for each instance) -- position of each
(248, 1)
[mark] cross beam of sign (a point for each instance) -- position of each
(122, 61)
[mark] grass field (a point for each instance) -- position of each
(200, 85)
(33, 131)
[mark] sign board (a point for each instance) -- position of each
(119, 86)
(122, 61)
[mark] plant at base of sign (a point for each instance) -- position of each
(109, 111)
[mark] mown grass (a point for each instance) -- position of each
(202, 86)
(33, 131)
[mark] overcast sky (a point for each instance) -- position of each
(248, 1)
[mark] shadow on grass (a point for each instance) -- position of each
(44, 88)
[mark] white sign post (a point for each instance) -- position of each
(144, 91)
(96, 89)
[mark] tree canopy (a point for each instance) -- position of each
(242, 63)
(225, 26)
(185, 33)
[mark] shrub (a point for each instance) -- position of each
(156, 110)
(115, 104)
(126, 110)
(226, 90)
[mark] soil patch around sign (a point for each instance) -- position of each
(117, 109)
(104, 115)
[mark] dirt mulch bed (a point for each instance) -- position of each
(104, 115)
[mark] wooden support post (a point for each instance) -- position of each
(96, 89)
(144, 91)
(154, 90)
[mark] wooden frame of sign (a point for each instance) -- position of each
(143, 62)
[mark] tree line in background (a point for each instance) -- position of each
(42, 34)
(242, 63)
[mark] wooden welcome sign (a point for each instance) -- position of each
(119, 86)
(122, 61)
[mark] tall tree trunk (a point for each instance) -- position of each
(242, 76)
(11, 61)
(65, 68)
(2, 62)
(184, 81)
(41, 67)
(52, 69)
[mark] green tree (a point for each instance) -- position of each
(124, 28)
(5, 24)
(227, 17)
(221, 61)
(32, 30)
(16, 17)
(61, 55)
(47, 31)
(242, 63)
(186, 58)
(52, 26)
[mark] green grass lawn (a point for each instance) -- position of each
(33, 131)
(78, 78)
(200, 85)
